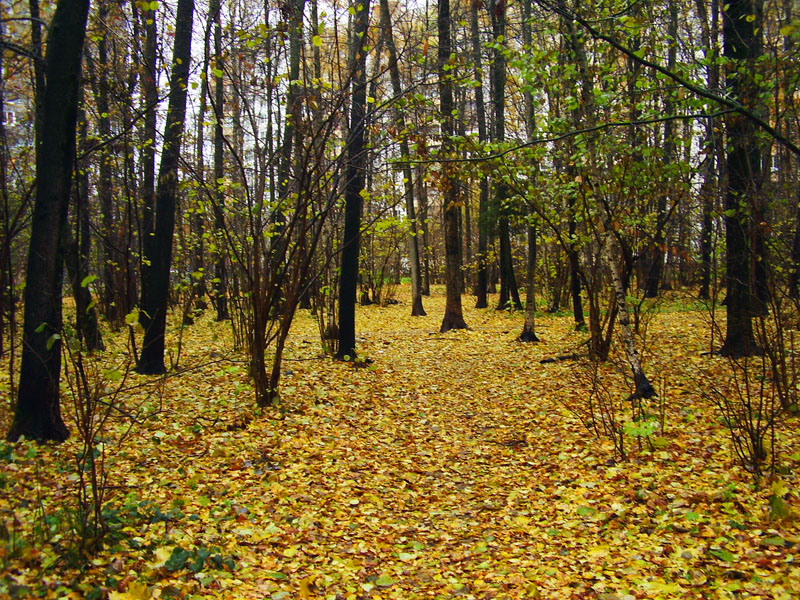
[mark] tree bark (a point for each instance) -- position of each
(158, 247)
(37, 414)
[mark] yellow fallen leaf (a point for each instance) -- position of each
(161, 556)
(136, 591)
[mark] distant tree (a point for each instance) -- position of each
(37, 414)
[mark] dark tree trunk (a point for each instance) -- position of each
(509, 290)
(158, 247)
(37, 414)
(741, 45)
(453, 316)
(356, 163)
(417, 309)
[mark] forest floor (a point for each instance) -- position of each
(452, 466)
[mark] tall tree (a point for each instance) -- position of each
(453, 315)
(741, 33)
(354, 185)
(37, 413)
(158, 246)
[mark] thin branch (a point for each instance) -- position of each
(567, 134)
(700, 90)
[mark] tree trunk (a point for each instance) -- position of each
(158, 247)
(37, 414)
(453, 316)
(354, 184)
(741, 45)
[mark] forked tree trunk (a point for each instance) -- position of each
(37, 414)
(158, 247)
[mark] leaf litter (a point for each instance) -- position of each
(451, 467)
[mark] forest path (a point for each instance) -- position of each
(450, 468)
